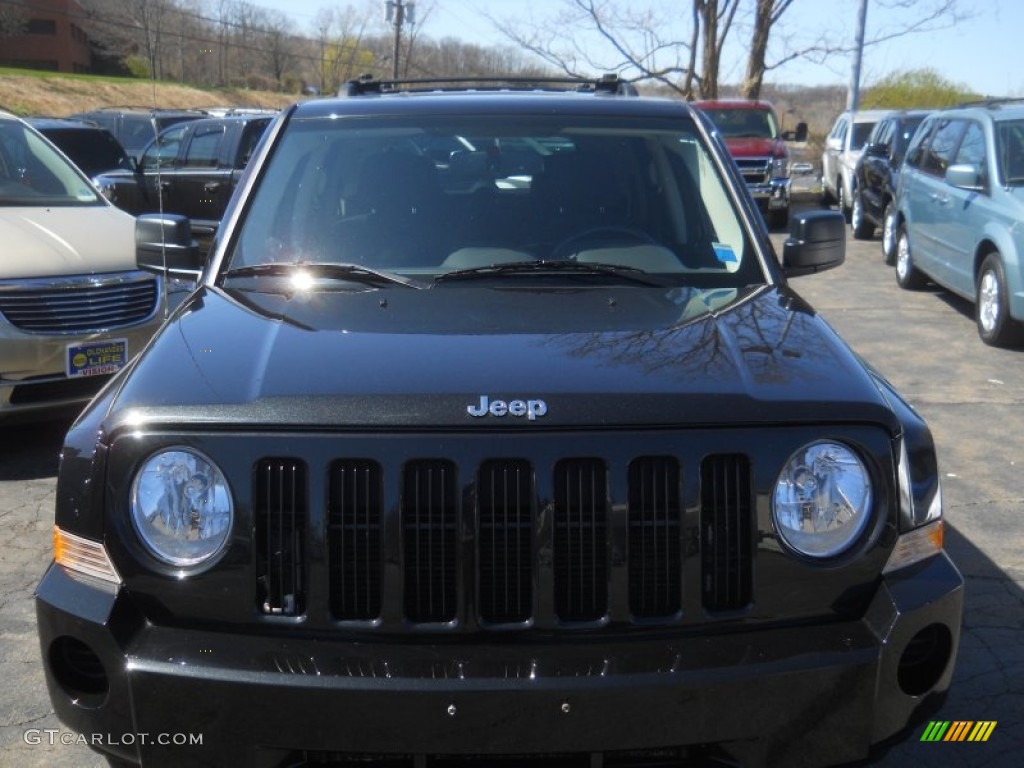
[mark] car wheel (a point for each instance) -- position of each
(907, 275)
(889, 234)
(844, 204)
(862, 229)
(992, 309)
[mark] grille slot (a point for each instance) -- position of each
(655, 562)
(580, 540)
(353, 539)
(504, 541)
(727, 532)
(79, 305)
(429, 530)
(280, 511)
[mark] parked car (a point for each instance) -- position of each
(190, 169)
(90, 147)
(757, 143)
(843, 147)
(877, 175)
(74, 307)
(135, 127)
(498, 457)
(960, 205)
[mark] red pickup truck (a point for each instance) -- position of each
(752, 132)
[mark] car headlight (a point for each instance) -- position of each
(181, 506)
(822, 499)
(780, 167)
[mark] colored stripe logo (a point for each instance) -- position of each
(958, 730)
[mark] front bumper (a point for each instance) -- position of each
(807, 695)
(773, 195)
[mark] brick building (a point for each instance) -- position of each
(51, 37)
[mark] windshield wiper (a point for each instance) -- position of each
(552, 267)
(355, 273)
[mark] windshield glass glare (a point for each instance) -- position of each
(427, 196)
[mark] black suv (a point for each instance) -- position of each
(494, 434)
(92, 148)
(190, 169)
(135, 127)
(877, 177)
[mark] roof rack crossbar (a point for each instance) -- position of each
(368, 84)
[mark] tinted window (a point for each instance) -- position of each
(861, 131)
(919, 142)
(94, 151)
(744, 123)
(1010, 151)
(136, 131)
(939, 152)
(972, 148)
(164, 151)
(204, 149)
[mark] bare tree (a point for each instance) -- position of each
(643, 46)
(13, 17)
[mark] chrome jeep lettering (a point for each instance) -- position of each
(531, 409)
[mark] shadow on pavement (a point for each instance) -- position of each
(29, 451)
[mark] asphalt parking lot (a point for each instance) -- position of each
(924, 342)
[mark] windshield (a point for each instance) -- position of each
(32, 173)
(431, 196)
(1010, 151)
(744, 123)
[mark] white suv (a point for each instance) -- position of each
(74, 307)
(843, 146)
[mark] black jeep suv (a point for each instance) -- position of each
(494, 434)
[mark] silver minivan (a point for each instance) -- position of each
(843, 147)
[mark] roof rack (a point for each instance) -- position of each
(368, 84)
(996, 101)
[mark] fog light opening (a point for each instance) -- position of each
(78, 671)
(924, 660)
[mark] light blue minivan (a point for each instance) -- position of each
(960, 214)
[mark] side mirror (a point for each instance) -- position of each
(816, 242)
(163, 243)
(834, 143)
(966, 176)
(800, 134)
(876, 150)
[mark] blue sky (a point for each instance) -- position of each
(978, 52)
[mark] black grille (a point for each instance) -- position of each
(505, 541)
(727, 532)
(78, 305)
(655, 562)
(580, 540)
(429, 530)
(280, 512)
(353, 539)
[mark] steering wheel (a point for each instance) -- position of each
(602, 236)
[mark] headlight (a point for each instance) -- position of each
(181, 506)
(822, 500)
(780, 168)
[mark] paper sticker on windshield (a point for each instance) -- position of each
(724, 253)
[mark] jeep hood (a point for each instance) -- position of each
(410, 359)
(57, 241)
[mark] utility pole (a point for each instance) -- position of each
(398, 12)
(853, 94)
